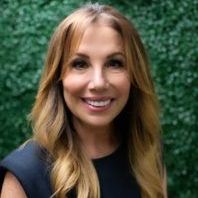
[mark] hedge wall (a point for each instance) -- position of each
(168, 29)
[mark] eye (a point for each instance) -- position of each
(79, 64)
(115, 63)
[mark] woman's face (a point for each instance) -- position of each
(96, 84)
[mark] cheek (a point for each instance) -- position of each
(70, 92)
(69, 88)
(122, 84)
(125, 91)
(72, 85)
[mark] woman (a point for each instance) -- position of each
(95, 119)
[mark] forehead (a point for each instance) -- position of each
(98, 36)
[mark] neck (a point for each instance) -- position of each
(97, 141)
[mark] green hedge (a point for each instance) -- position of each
(168, 29)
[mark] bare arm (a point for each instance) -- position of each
(12, 188)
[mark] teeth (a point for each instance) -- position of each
(98, 103)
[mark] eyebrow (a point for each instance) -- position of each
(109, 56)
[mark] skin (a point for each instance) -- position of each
(97, 72)
(96, 81)
(12, 188)
(102, 77)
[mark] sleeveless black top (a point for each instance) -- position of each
(30, 167)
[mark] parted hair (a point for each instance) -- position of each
(139, 120)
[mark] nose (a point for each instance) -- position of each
(98, 80)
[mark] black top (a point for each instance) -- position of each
(31, 168)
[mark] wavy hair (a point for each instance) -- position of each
(51, 119)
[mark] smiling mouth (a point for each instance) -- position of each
(97, 103)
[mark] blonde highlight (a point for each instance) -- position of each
(51, 120)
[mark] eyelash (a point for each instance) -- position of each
(82, 64)
(79, 64)
(115, 63)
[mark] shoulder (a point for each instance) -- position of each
(27, 157)
(29, 164)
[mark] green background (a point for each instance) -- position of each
(168, 29)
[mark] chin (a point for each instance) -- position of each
(98, 123)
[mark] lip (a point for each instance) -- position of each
(97, 98)
(97, 104)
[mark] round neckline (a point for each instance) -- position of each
(108, 156)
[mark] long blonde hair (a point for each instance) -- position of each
(51, 120)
